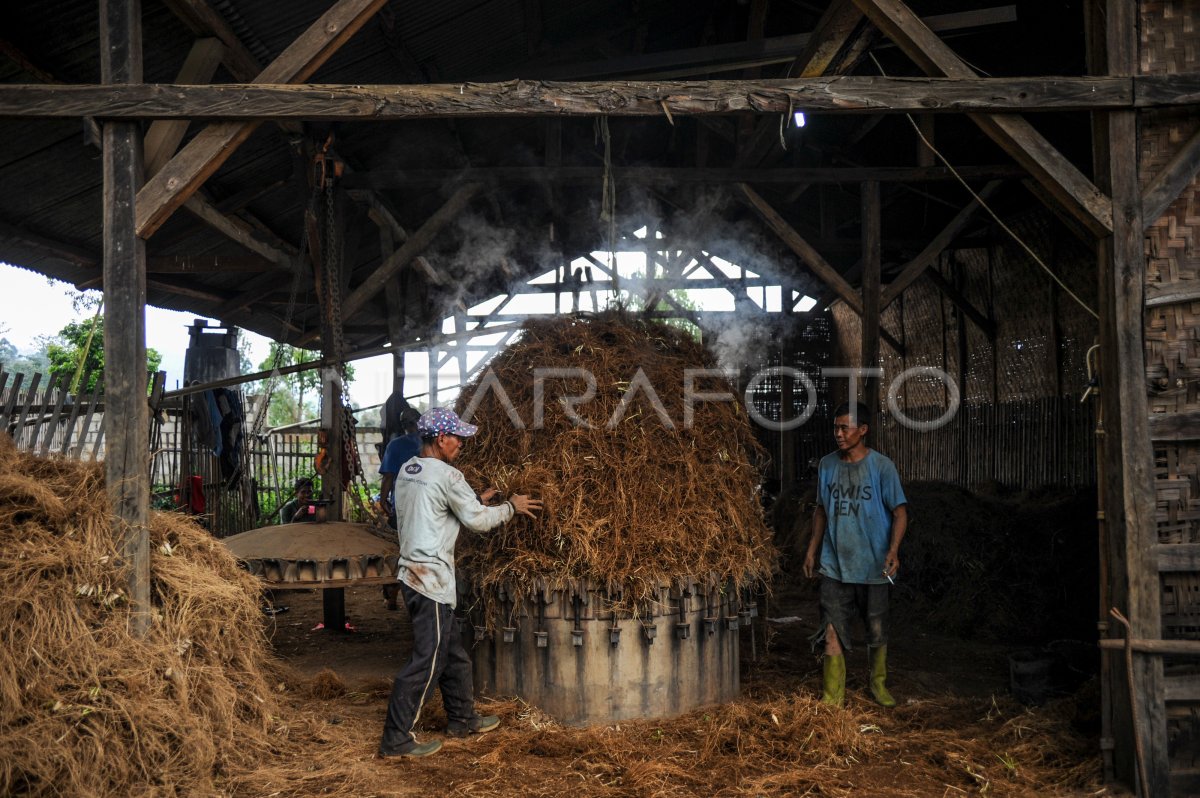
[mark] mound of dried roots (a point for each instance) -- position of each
(639, 489)
(86, 706)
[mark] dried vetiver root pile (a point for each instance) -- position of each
(641, 487)
(90, 707)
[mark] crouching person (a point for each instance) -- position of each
(432, 500)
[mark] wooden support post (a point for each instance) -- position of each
(127, 433)
(871, 246)
(1139, 719)
(394, 294)
(333, 607)
(331, 423)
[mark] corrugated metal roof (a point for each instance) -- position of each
(50, 177)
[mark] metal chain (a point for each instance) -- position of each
(333, 292)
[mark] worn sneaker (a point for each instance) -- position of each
(413, 749)
(477, 725)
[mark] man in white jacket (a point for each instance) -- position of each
(432, 500)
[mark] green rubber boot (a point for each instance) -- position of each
(833, 686)
(879, 677)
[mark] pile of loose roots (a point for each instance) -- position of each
(86, 706)
(636, 493)
(776, 741)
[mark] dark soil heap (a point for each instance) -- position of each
(86, 707)
(632, 500)
(1018, 567)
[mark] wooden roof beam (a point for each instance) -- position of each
(256, 241)
(249, 104)
(204, 21)
(838, 27)
(812, 259)
(1014, 134)
(186, 172)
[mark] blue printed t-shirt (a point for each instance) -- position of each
(398, 452)
(858, 499)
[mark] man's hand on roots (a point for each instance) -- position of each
(526, 505)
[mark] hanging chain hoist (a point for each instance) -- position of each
(328, 169)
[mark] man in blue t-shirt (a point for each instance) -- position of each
(859, 522)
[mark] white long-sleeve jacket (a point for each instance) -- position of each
(432, 500)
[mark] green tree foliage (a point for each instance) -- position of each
(297, 396)
(13, 362)
(76, 343)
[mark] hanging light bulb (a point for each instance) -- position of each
(799, 118)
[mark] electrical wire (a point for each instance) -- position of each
(1020, 241)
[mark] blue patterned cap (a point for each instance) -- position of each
(442, 419)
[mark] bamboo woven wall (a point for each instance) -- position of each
(1041, 334)
(1033, 375)
(1022, 445)
(1170, 43)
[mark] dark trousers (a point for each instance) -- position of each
(842, 602)
(438, 659)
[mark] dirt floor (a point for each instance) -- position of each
(957, 730)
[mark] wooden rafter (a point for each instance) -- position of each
(737, 55)
(183, 174)
(1014, 134)
(204, 21)
(414, 246)
(837, 27)
(795, 242)
(915, 267)
(164, 135)
(258, 242)
(837, 284)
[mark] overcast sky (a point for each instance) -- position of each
(32, 305)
